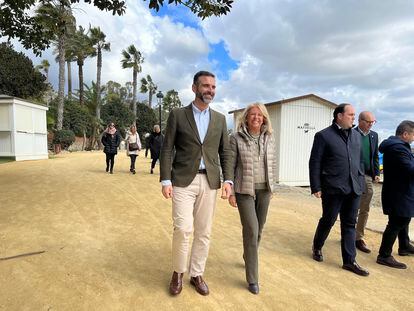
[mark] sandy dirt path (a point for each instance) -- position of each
(106, 246)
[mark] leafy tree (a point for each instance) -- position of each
(148, 86)
(77, 118)
(202, 8)
(132, 58)
(57, 21)
(171, 100)
(97, 38)
(18, 77)
(146, 119)
(64, 137)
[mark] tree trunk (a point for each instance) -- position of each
(134, 93)
(69, 80)
(150, 98)
(98, 84)
(61, 89)
(80, 64)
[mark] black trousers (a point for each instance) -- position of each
(133, 159)
(347, 207)
(110, 159)
(397, 226)
(154, 160)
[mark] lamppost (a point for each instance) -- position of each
(160, 96)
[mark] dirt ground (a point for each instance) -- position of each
(102, 242)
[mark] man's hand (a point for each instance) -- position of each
(226, 191)
(377, 179)
(318, 194)
(167, 191)
(232, 201)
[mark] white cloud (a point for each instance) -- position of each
(358, 51)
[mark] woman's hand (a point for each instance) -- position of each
(232, 201)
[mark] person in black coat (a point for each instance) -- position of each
(397, 193)
(111, 140)
(335, 169)
(155, 142)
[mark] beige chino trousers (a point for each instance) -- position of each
(192, 210)
(364, 207)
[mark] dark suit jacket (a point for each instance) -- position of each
(398, 188)
(335, 164)
(373, 143)
(181, 137)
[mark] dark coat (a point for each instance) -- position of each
(398, 187)
(155, 144)
(374, 160)
(111, 142)
(335, 164)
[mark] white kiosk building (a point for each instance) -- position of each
(295, 122)
(23, 129)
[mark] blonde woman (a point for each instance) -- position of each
(254, 166)
(133, 146)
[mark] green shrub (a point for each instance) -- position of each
(64, 137)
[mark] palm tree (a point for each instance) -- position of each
(148, 86)
(69, 58)
(44, 65)
(56, 18)
(81, 47)
(133, 59)
(97, 38)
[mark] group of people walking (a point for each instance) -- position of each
(111, 140)
(343, 164)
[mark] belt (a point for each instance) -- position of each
(204, 171)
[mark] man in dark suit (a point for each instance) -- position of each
(336, 177)
(195, 146)
(369, 144)
(397, 193)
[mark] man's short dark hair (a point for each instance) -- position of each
(339, 109)
(202, 73)
(404, 126)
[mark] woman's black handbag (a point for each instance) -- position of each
(133, 146)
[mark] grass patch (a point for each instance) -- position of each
(5, 160)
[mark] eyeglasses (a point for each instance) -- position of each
(370, 122)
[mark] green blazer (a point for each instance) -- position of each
(182, 149)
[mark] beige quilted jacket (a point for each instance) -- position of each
(242, 161)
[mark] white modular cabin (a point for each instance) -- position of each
(23, 129)
(295, 122)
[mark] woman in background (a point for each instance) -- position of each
(254, 165)
(133, 146)
(155, 141)
(111, 140)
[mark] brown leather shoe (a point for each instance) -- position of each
(360, 244)
(355, 268)
(176, 284)
(199, 284)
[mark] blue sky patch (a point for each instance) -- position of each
(222, 63)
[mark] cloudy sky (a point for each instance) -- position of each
(356, 51)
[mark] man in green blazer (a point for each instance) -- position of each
(195, 146)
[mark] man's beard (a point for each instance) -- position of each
(205, 98)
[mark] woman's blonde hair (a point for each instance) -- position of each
(242, 121)
(132, 126)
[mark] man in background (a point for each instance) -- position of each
(369, 143)
(397, 193)
(336, 178)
